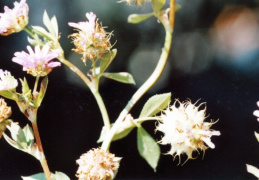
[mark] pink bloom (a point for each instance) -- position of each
(91, 40)
(14, 20)
(37, 63)
(256, 112)
(7, 81)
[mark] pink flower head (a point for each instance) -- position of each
(7, 81)
(256, 112)
(14, 20)
(37, 63)
(91, 40)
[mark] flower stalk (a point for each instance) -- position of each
(150, 81)
(43, 161)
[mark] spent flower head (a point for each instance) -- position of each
(7, 81)
(97, 164)
(14, 20)
(37, 62)
(185, 130)
(5, 113)
(91, 40)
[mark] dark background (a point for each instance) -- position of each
(214, 58)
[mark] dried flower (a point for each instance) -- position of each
(7, 81)
(256, 112)
(91, 40)
(37, 63)
(185, 130)
(14, 20)
(5, 113)
(97, 164)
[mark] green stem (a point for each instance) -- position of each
(103, 109)
(43, 161)
(36, 84)
(93, 86)
(150, 81)
(141, 120)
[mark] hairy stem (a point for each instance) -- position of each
(150, 81)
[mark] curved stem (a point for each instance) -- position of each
(94, 89)
(150, 81)
(43, 161)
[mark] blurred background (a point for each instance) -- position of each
(214, 58)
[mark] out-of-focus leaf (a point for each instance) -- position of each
(157, 5)
(137, 18)
(155, 104)
(253, 170)
(257, 136)
(122, 77)
(39, 176)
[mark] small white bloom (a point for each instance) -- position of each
(7, 81)
(185, 130)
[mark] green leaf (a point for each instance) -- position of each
(39, 176)
(137, 18)
(106, 60)
(155, 104)
(157, 5)
(148, 148)
(11, 142)
(122, 77)
(43, 89)
(257, 136)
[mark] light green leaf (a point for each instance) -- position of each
(25, 86)
(148, 148)
(59, 176)
(43, 89)
(123, 130)
(257, 136)
(122, 77)
(9, 95)
(137, 18)
(106, 60)
(155, 104)
(42, 32)
(253, 170)
(39, 176)
(10, 141)
(54, 23)
(48, 24)
(28, 133)
(157, 5)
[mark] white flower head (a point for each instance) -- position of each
(7, 81)
(97, 164)
(14, 20)
(184, 129)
